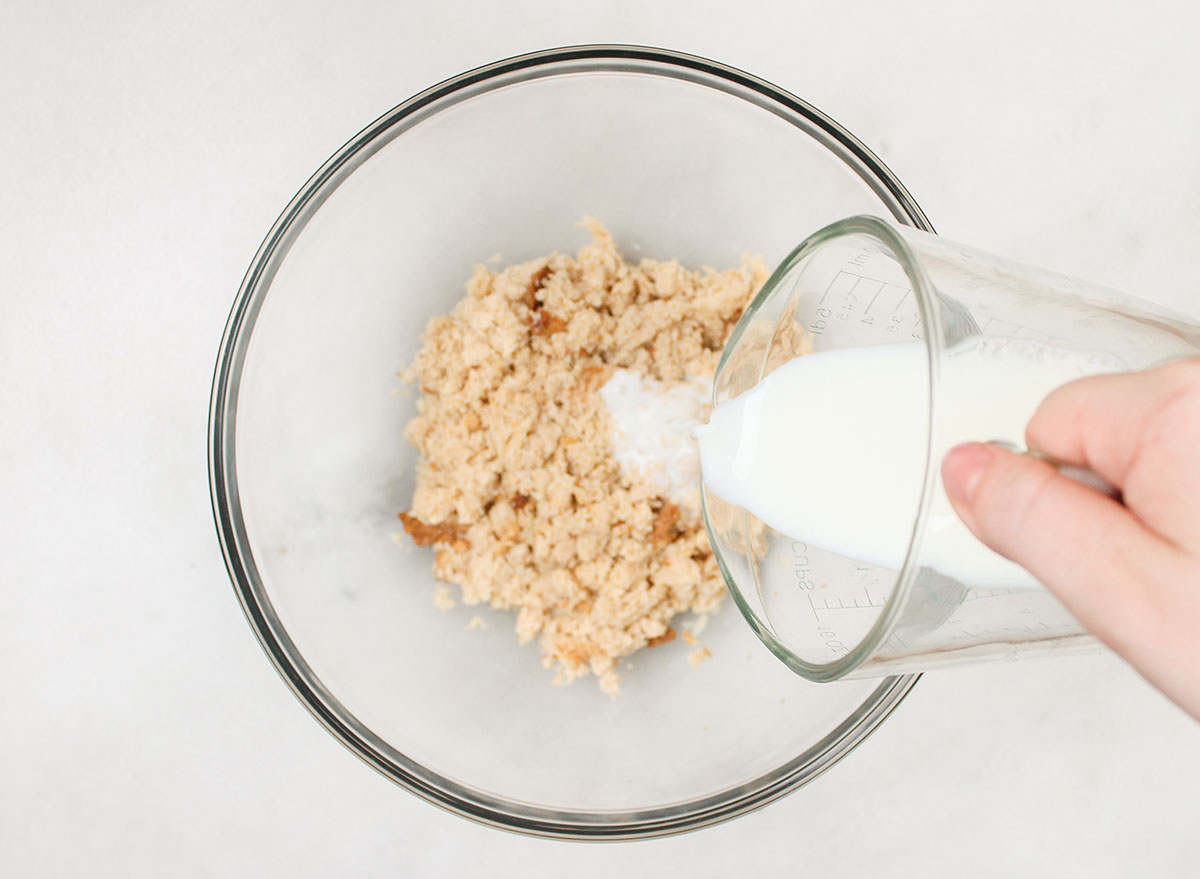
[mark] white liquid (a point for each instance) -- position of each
(831, 449)
(654, 432)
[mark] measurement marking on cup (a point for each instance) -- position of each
(995, 326)
(853, 279)
(829, 287)
(841, 604)
(867, 310)
(976, 594)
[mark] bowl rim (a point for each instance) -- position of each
(479, 806)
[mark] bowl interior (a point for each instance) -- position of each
(674, 168)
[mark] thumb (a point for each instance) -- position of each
(1085, 547)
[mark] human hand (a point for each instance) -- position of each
(1129, 570)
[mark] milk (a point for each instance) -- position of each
(654, 427)
(831, 447)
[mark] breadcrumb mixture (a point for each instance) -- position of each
(517, 486)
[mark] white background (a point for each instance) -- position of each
(146, 150)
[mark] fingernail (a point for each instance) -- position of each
(962, 468)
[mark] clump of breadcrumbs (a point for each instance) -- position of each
(517, 487)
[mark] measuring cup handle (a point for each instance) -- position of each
(1082, 475)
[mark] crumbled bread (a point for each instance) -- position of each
(665, 520)
(427, 535)
(665, 638)
(476, 623)
(517, 487)
(442, 599)
(698, 656)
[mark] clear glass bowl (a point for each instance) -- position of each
(680, 157)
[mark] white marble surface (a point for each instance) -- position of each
(148, 147)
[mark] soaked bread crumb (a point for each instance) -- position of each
(442, 599)
(517, 487)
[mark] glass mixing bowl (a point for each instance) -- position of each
(681, 158)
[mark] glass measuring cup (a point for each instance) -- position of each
(839, 611)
